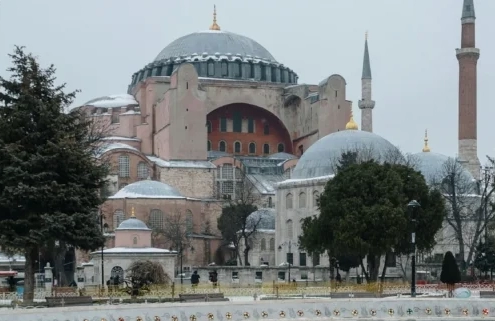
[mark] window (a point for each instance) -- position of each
(235, 275)
(250, 125)
(237, 122)
(258, 276)
(302, 259)
(288, 201)
(237, 147)
(135, 240)
(272, 244)
(281, 275)
(208, 126)
(316, 260)
(222, 146)
(117, 273)
(290, 229)
(115, 116)
(290, 258)
(118, 217)
(143, 170)
(223, 124)
(211, 69)
(266, 149)
(225, 69)
(156, 219)
(208, 145)
(124, 166)
(252, 148)
(281, 148)
(189, 221)
(316, 197)
(270, 202)
(263, 245)
(302, 200)
(266, 129)
(390, 260)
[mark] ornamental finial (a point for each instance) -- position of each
(214, 26)
(426, 148)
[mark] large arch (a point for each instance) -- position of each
(245, 123)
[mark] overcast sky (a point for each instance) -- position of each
(98, 44)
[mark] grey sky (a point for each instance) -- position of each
(97, 45)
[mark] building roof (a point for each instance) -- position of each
(282, 155)
(262, 219)
(132, 223)
(112, 101)
(321, 158)
(213, 42)
(468, 9)
(147, 189)
(366, 61)
(433, 166)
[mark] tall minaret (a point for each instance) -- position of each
(468, 56)
(366, 104)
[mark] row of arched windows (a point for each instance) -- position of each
(143, 171)
(156, 219)
(263, 244)
(302, 200)
(237, 126)
(237, 147)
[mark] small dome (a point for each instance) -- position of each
(320, 159)
(263, 219)
(432, 166)
(132, 223)
(147, 189)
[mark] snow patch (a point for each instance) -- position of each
(127, 250)
(113, 101)
(181, 164)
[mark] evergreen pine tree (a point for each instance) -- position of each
(49, 179)
(450, 274)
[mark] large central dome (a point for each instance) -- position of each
(212, 42)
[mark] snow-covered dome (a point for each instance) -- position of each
(214, 42)
(282, 155)
(320, 159)
(147, 189)
(133, 223)
(113, 101)
(433, 166)
(263, 219)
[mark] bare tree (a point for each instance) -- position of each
(470, 207)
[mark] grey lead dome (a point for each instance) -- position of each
(147, 189)
(320, 159)
(212, 42)
(133, 223)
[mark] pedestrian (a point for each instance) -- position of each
(195, 279)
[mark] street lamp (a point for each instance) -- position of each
(413, 206)
(104, 227)
(487, 170)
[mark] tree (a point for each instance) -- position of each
(363, 213)
(234, 223)
(49, 179)
(142, 274)
(484, 259)
(470, 210)
(450, 274)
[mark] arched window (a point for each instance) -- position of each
(266, 129)
(290, 229)
(272, 244)
(208, 126)
(281, 148)
(302, 200)
(189, 221)
(316, 196)
(252, 148)
(124, 166)
(118, 217)
(211, 68)
(117, 274)
(156, 219)
(263, 245)
(266, 149)
(143, 171)
(222, 146)
(288, 201)
(237, 147)
(134, 240)
(270, 203)
(208, 145)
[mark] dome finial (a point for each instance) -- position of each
(132, 212)
(351, 124)
(426, 148)
(366, 35)
(214, 26)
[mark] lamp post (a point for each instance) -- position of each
(413, 207)
(289, 257)
(103, 227)
(486, 180)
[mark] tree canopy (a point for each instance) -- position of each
(363, 212)
(49, 179)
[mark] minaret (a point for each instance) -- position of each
(366, 104)
(468, 56)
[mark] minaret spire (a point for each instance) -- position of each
(214, 26)
(426, 148)
(468, 56)
(366, 104)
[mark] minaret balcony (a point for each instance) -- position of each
(366, 104)
(473, 52)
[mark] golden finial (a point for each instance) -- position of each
(215, 26)
(132, 212)
(426, 148)
(366, 35)
(351, 124)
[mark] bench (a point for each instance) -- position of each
(202, 297)
(487, 294)
(357, 295)
(68, 301)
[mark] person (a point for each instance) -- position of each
(214, 278)
(339, 277)
(195, 278)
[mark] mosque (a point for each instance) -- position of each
(215, 110)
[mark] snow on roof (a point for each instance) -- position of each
(134, 139)
(265, 184)
(113, 101)
(108, 147)
(181, 163)
(147, 189)
(136, 250)
(302, 181)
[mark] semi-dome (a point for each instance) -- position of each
(147, 189)
(321, 158)
(133, 223)
(262, 219)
